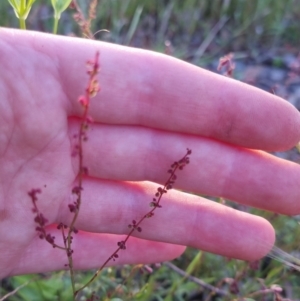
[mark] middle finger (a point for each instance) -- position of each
(250, 177)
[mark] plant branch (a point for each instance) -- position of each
(135, 226)
(200, 282)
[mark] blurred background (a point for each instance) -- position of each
(197, 29)
(258, 42)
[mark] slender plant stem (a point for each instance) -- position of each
(80, 178)
(91, 90)
(55, 24)
(16, 290)
(22, 23)
(200, 282)
(135, 226)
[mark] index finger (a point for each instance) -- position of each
(153, 90)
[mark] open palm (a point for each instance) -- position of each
(150, 109)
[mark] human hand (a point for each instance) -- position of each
(150, 109)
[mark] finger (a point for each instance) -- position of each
(246, 176)
(161, 92)
(145, 88)
(109, 207)
(91, 250)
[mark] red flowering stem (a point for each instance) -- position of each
(155, 204)
(41, 220)
(91, 90)
(68, 241)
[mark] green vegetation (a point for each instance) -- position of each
(195, 27)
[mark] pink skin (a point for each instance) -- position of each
(151, 108)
